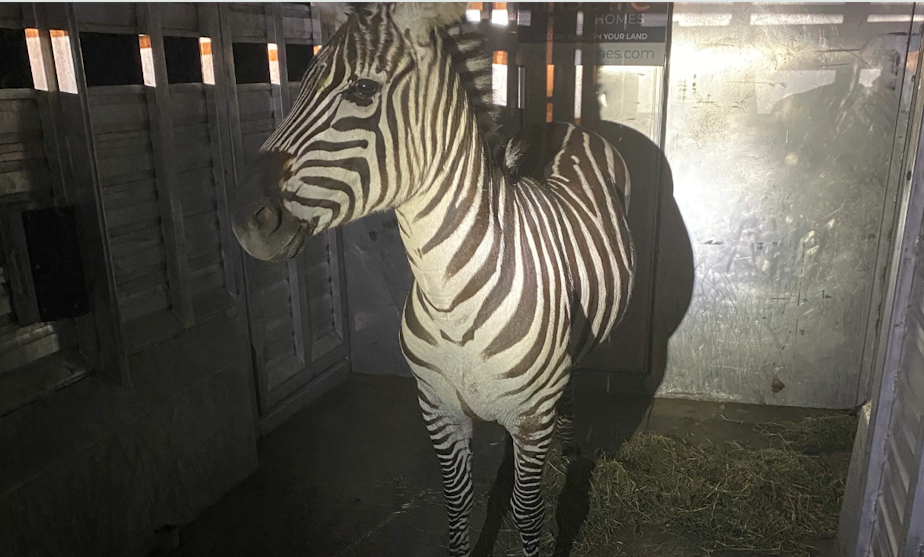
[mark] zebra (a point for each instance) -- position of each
(521, 255)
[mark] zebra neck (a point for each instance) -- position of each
(449, 228)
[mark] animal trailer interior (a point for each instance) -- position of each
(162, 392)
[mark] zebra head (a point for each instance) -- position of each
(360, 136)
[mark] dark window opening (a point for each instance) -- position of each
(184, 64)
(251, 63)
(110, 59)
(15, 71)
(298, 58)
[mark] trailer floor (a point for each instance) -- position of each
(355, 474)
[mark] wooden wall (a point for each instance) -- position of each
(150, 165)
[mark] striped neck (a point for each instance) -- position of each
(447, 227)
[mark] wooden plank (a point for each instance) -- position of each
(204, 227)
(119, 143)
(155, 277)
(119, 218)
(319, 282)
(278, 347)
(205, 264)
(246, 22)
(150, 330)
(12, 12)
(129, 193)
(136, 266)
(324, 345)
(208, 281)
(138, 241)
(106, 14)
(321, 309)
(180, 16)
(264, 127)
(266, 273)
(19, 117)
(298, 28)
(164, 155)
(14, 337)
(188, 107)
(85, 191)
(111, 169)
(284, 407)
(197, 193)
(218, 104)
(33, 179)
(279, 325)
(144, 304)
(15, 152)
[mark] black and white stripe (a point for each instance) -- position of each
(523, 261)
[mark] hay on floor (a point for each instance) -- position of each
(715, 497)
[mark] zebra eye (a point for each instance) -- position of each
(362, 90)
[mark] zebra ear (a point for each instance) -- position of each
(333, 15)
(418, 19)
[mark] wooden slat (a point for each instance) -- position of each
(165, 156)
(203, 282)
(144, 304)
(127, 194)
(197, 192)
(107, 14)
(21, 151)
(11, 13)
(19, 116)
(28, 178)
(188, 108)
(244, 25)
(114, 170)
(180, 16)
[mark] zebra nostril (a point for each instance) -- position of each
(267, 220)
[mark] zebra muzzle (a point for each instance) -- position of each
(261, 223)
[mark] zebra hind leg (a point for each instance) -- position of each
(530, 451)
(451, 437)
(564, 422)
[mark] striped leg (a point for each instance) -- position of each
(564, 421)
(451, 436)
(530, 451)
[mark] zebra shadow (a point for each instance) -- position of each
(610, 407)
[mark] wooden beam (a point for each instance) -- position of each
(171, 210)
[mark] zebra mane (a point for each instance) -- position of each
(471, 59)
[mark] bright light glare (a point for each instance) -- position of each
(687, 59)
(147, 60)
(578, 88)
(869, 75)
(64, 61)
(273, 52)
(703, 20)
(892, 18)
(499, 17)
(796, 19)
(36, 60)
(473, 15)
(205, 56)
(499, 84)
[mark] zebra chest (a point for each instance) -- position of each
(455, 367)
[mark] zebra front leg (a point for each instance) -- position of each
(451, 435)
(530, 450)
(564, 421)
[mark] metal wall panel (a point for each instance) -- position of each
(895, 532)
(781, 121)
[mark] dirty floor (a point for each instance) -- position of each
(354, 474)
